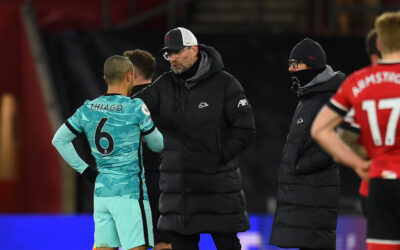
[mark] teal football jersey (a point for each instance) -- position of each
(113, 125)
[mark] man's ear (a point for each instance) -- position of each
(378, 45)
(128, 76)
(196, 48)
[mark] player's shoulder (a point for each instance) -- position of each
(136, 101)
(356, 75)
(86, 104)
(89, 102)
(139, 105)
(363, 71)
(81, 109)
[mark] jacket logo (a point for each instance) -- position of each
(242, 102)
(300, 120)
(203, 105)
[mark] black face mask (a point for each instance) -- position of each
(302, 77)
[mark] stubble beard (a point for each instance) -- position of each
(178, 70)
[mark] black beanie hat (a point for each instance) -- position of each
(309, 52)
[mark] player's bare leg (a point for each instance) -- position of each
(139, 248)
(162, 246)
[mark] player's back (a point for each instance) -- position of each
(375, 95)
(112, 124)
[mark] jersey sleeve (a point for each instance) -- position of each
(340, 101)
(74, 122)
(146, 124)
(349, 123)
(154, 140)
(62, 141)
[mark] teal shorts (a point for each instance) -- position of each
(122, 222)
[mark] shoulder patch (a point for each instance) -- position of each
(145, 110)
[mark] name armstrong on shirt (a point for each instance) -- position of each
(376, 78)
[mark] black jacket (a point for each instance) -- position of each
(206, 122)
(151, 160)
(308, 192)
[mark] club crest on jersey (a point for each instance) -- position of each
(145, 110)
(242, 103)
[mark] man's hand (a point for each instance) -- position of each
(90, 174)
(362, 170)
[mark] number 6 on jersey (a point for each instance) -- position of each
(102, 134)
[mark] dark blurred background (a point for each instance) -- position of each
(52, 56)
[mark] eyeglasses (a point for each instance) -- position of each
(168, 53)
(295, 63)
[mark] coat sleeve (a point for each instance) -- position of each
(239, 116)
(151, 96)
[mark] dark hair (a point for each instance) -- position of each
(370, 43)
(143, 61)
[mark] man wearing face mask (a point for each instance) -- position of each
(308, 193)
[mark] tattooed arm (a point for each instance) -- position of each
(351, 137)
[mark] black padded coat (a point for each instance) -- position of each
(308, 192)
(206, 122)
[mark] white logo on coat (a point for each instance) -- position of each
(300, 120)
(242, 102)
(203, 105)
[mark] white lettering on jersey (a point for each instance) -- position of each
(376, 78)
(105, 107)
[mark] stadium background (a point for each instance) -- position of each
(52, 55)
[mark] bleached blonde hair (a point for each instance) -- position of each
(388, 28)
